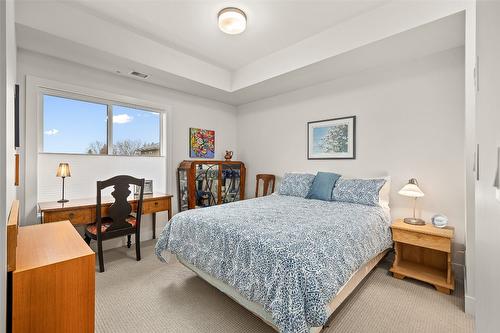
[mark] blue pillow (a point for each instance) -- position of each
(322, 186)
(296, 184)
(360, 191)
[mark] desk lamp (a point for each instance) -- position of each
(63, 172)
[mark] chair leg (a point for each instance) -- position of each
(87, 239)
(137, 246)
(100, 255)
(129, 242)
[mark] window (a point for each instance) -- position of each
(73, 126)
(135, 131)
(78, 126)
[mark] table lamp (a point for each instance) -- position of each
(63, 172)
(412, 190)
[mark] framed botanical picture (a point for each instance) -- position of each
(201, 143)
(332, 139)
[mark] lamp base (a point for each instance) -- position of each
(414, 221)
(62, 200)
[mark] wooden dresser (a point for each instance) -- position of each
(53, 283)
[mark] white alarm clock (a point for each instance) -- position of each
(439, 221)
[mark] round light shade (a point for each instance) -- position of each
(411, 189)
(232, 21)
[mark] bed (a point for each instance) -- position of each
(289, 260)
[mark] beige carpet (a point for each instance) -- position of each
(149, 296)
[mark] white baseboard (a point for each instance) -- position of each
(470, 305)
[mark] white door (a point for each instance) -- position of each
(487, 196)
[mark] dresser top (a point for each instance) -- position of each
(427, 229)
(47, 244)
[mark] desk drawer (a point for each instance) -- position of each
(80, 216)
(422, 240)
(154, 206)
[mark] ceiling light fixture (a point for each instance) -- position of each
(232, 20)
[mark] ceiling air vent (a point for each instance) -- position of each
(139, 74)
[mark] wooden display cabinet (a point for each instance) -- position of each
(204, 183)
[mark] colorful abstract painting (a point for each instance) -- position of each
(201, 143)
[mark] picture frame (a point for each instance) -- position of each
(148, 187)
(201, 143)
(17, 142)
(16, 170)
(332, 139)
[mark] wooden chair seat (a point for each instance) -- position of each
(106, 223)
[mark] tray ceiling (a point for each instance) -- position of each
(191, 26)
(288, 44)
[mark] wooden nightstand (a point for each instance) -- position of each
(423, 253)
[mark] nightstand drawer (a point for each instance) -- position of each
(423, 240)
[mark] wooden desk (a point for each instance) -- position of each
(53, 285)
(82, 211)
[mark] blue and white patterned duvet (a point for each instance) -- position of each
(289, 254)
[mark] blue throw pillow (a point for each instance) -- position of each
(322, 186)
(296, 184)
(360, 191)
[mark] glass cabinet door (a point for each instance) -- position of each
(230, 184)
(183, 189)
(206, 185)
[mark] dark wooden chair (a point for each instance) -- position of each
(268, 180)
(119, 221)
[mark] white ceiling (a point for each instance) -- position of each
(191, 26)
(288, 44)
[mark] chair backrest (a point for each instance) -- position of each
(120, 210)
(268, 180)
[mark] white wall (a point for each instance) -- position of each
(9, 114)
(7, 81)
(86, 170)
(410, 123)
(185, 111)
(487, 198)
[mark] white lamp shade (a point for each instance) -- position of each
(411, 190)
(232, 21)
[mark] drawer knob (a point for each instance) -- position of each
(71, 215)
(156, 203)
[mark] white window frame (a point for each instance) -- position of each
(31, 134)
(104, 101)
